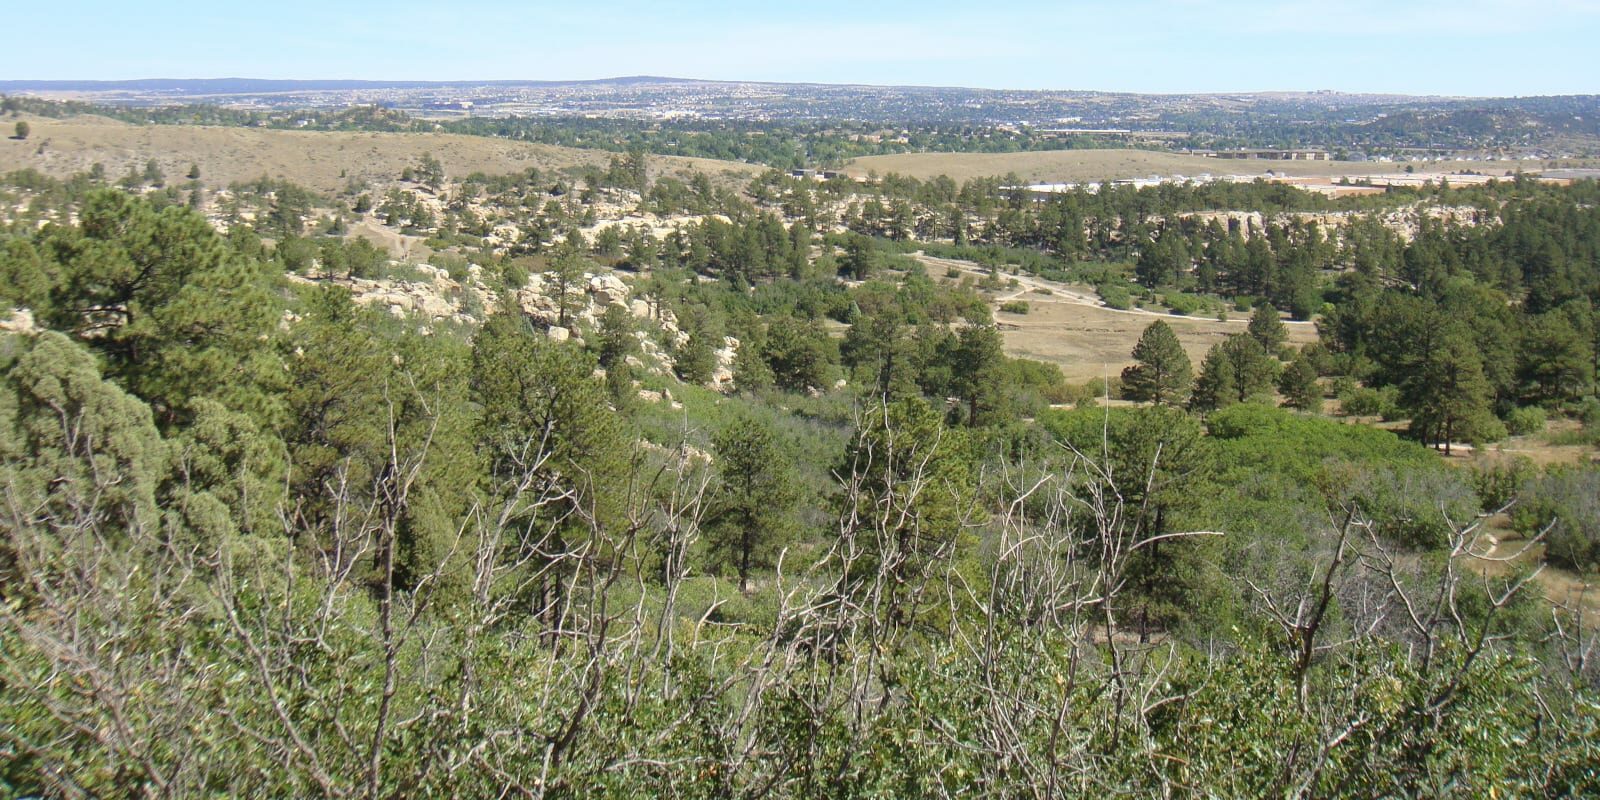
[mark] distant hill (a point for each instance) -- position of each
(1352, 123)
(326, 161)
(201, 87)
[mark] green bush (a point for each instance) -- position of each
(1343, 385)
(1567, 502)
(1184, 304)
(1115, 296)
(1589, 412)
(1525, 420)
(1363, 402)
(1014, 307)
(1501, 482)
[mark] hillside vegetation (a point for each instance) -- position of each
(647, 486)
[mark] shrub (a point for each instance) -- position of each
(1184, 304)
(1589, 412)
(1567, 501)
(1526, 420)
(1362, 402)
(1498, 483)
(1014, 307)
(1489, 430)
(1115, 296)
(1343, 385)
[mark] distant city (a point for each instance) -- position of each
(1300, 125)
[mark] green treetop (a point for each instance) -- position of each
(1163, 373)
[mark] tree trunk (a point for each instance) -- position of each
(744, 560)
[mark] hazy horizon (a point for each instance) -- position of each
(383, 82)
(1477, 48)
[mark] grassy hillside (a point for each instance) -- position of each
(324, 161)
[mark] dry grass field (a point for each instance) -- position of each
(320, 160)
(1069, 328)
(1089, 341)
(1073, 166)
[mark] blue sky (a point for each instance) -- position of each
(1465, 47)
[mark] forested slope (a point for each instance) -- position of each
(260, 539)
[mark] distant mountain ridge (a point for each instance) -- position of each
(205, 86)
(1352, 123)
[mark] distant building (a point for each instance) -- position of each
(818, 175)
(1308, 154)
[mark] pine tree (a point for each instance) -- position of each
(911, 485)
(754, 505)
(1235, 370)
(1449, 397)
(798, 352)
(1163, 374)
(1299, 386)
(175, 311)
(878, 346)
(549, 436)
(1214, 388)
(750, 370)
(566, 280)
(696, 357)
(975, 369)
(1267, 328)
(615, 337)
(82, 449)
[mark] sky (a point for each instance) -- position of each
(1446, 47)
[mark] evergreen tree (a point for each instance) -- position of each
(177, 314)
(1556, 361)
(754, 506)
(1214, 388)
(1234, 370)
(232, 474)
(615, 338)
(860, 257)
(695, 358)
(1298, 384)
(557, 454)
(750, 370)
(1267, 328)
(79, 450)
(878, 346)
(1449, 397)
(909, 490)
(1164, 262)
(1154, 457)
(565, 280)
(975, 369)
(799, 353)
(1163, 374)
(26, 278)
